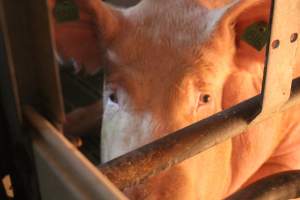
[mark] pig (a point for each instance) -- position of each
(168, 64)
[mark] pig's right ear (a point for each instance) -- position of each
(83, 38)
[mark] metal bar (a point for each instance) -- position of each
(151, 159)
(49, 88)
(29, 75)
(27, 34)
(281, 54)
(18, 146)
(285, 185)
(74, 171)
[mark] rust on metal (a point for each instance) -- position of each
(151, 159)
(285, 185)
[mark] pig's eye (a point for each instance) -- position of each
(113, 98)
(205, 98)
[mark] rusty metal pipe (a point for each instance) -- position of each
(151, 159)
(281, 186)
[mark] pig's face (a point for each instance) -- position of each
(166, 66)
(161, 76)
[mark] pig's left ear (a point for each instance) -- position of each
(247, 22)
(82, 29)
(245, 25)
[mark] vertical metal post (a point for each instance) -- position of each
(28, 75)
(27, 37)
(281, 54)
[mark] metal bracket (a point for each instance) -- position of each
(281, 55)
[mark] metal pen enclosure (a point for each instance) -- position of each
(29, 82)
(30, 77)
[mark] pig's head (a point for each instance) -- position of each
(167, 62)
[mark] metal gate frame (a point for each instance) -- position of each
(33, 80)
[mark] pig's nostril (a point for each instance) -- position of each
(113, 97)
(206, 98)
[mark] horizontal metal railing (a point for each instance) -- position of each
(276, 96)
(151, 159)
(82, 178)
(281, 186)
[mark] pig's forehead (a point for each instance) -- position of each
(142, 60)
(163, 36)
(173, 23)
(158, 66)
